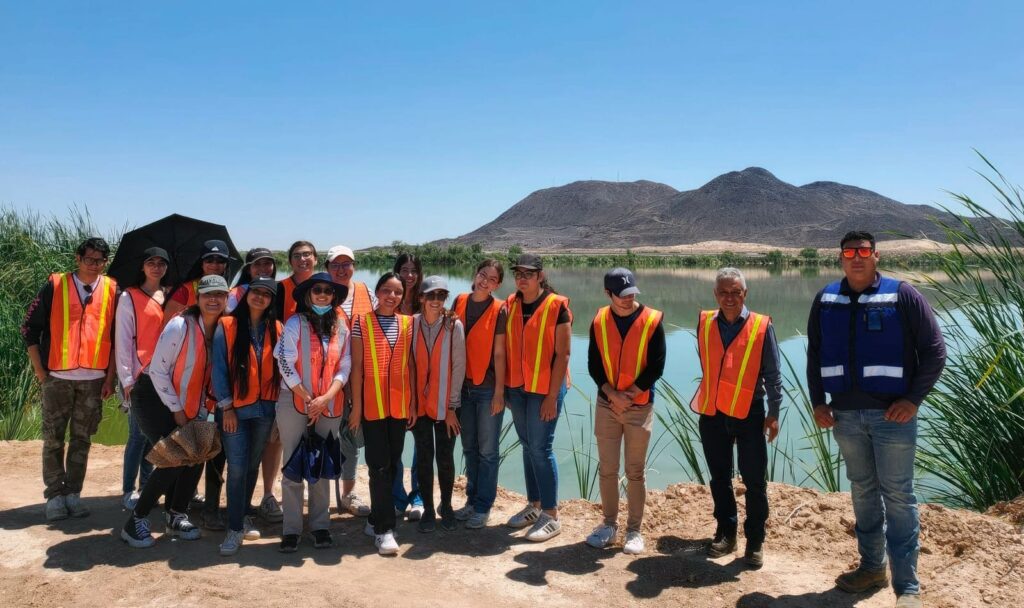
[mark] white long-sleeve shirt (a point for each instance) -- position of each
(165, 357)
(126, 356)
(287, 352)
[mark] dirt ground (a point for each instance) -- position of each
(967, 559)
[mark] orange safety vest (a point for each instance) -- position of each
(433, 371)
(729, 374)
(80, 335)
(191, 377)
(316, 370)
(480, 339)
(530, 348)
(149, 320)
(361, 304)
(261, 370)
(387, 383)
(623, 360)
(288, 286)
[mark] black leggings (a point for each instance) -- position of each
(384, 441)
(157, 422)
(431, 435)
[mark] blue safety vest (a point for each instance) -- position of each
(862, 341)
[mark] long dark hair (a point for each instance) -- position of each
(238, 374)
(140, 277)
(323, 325)
(412, 295)
(245, 277)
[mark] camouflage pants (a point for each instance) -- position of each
(75, 404)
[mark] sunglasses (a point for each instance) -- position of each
(436, 295)
(322, 290)
(864, 252)
(524, 274)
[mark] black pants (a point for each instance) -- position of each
(384, 441)
(432, 438)
(718, 433)
(157, 422)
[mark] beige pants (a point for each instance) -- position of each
(292, 425)
(610, 433)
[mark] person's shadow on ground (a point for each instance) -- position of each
(682, 563)
(103, 512)
(577, 559)
(832, 598)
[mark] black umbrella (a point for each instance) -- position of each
(181, 236)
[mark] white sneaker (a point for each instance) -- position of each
(602, 536)
(634, 544)
(129, 500)
(56, 509)
(270, 509)
(477, 520)
(73, 503)
(415, 512)
(524, 518)
(386, 543)
(545, 528)
(354, 505)
(232, 542)
(465, 512)
(249, 531)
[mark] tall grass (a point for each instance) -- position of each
(826, 470)
(973, 431)
(584, 463)
(31, 247)
(681, 425)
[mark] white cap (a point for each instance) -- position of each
(340, 250)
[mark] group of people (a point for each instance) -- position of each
(319, 352)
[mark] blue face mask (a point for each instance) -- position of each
(321, 310)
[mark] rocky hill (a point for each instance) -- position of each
(751, 206)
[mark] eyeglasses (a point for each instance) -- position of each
(322, 290)
(524, 274)
(864, 252)
(336, 266)
(302, 255)
(483, 277)
(91, 261)
(436, 295)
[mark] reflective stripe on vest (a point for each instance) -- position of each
(862, 339)
(624, 359)
(728, 385)
(192, 369)
(530, 347)
(433, 371)
(392, 387)
(79, 334)
(261, 385)
(318, 373)
(479, 339)
(149, 319)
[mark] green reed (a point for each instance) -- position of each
(973, 422)
(584, 462)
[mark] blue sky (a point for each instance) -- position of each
(347, 123)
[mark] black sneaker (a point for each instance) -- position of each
(448, 521)
(136, 532)
(322, 539)
(425, 525)
(723, 544)
(289, 543)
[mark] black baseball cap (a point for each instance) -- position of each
(620, 282)
(264, 283)
(214, 248)
(157, 252)
(529, 261)
(258, 253)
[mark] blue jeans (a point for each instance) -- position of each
(243, 450)
(480, 433)
(402, 498)
(537, 438)
(879, 459)
(135, 463)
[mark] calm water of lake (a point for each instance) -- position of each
(681, 294)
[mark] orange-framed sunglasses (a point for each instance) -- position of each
(864, 252)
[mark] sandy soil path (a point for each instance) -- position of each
(967, 560)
